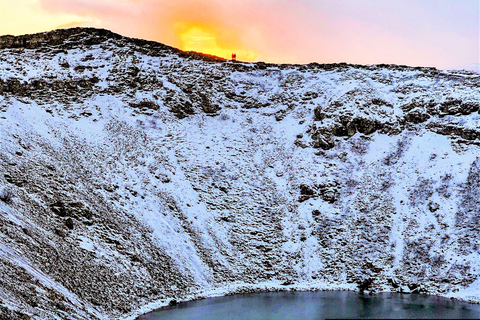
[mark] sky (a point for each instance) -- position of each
(440, 33)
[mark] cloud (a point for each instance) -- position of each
(430, 32)
(24, 16)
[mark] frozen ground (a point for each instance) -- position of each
(141, 174)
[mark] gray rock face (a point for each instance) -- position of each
(139, 173)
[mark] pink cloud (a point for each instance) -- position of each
(430, 32)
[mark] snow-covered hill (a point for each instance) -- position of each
(474, 67)
(141, 174)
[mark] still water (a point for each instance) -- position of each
(318, 305)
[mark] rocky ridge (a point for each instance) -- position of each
(133, 172)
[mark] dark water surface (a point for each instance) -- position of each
(318, 305)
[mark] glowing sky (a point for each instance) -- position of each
(441, 33)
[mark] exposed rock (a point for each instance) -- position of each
(329, 194)
(7, 195)
(252, 104)
(450, 107)
(393, 283)
(455, 130)
(18, 181)
(145, 104)
(365, 125)
(365, 285)
(416, 116)
(433, 206)
(306, 190)
(208, 107)
(69, 223)
(323, 140)
(75, 210)
(319, 114)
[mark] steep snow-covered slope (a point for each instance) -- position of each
(142, 174)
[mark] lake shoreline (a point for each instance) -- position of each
(271, 286)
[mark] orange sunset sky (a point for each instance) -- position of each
(440, 33)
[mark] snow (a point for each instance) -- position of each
(474, 67)
(217, 197)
